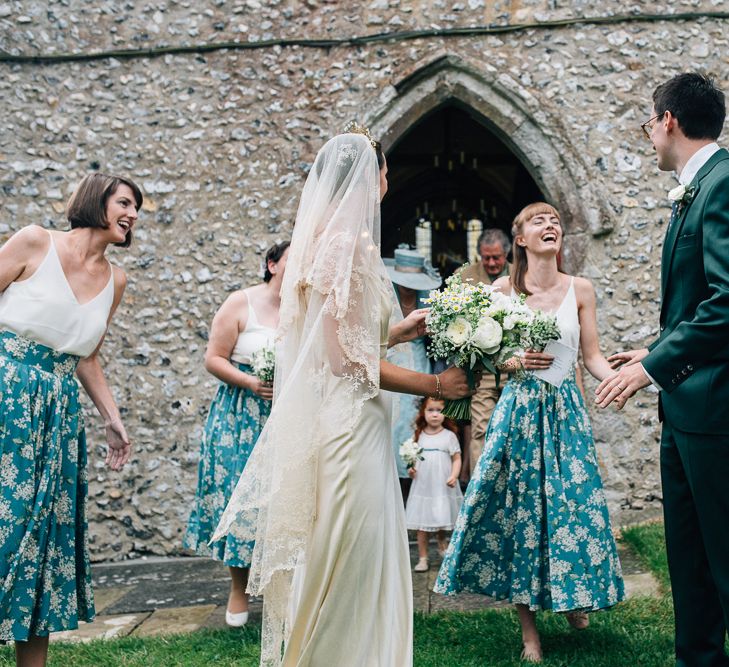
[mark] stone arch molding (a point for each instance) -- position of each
(519, 120)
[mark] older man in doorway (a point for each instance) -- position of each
(493, 249)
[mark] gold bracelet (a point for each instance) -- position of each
(438, 389)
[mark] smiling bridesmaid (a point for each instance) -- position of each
(58, 293)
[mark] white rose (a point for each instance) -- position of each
(510, 321)
(458, 331)
(500, 299)
(520, 315)
(677, 193)
(488, 335)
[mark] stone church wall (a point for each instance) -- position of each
(220, 142)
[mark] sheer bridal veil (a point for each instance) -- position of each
(334, 294)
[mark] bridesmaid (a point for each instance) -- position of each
(59, 293)
(245, 323)
(534, 527)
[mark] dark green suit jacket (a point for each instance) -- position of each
(690, 359)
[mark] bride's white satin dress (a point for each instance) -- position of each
(353, 603)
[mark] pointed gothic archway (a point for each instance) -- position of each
(521, 134)
(451, 170)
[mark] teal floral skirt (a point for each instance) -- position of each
(45, 577)
(534, 526)
(235, 421)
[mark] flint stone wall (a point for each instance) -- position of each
(221, 142)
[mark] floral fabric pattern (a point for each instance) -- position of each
(45, 577)
(235, 420)
(534, 527)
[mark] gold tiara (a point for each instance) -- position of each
(354, 128)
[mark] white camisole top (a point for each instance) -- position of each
(253, 338)
(44, 309)
(568, 317)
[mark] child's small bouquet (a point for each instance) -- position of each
(263, 363)
(411, 452)
(475, 327)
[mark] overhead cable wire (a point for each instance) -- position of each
(362, 40)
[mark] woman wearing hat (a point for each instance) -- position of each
(413, 278)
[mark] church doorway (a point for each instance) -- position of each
(450, 175)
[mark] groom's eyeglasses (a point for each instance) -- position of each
(648, 126)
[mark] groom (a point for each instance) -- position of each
(689, 363)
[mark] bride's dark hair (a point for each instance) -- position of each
(380, 155)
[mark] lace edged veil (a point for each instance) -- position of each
(334, 292)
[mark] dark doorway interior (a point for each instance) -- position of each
(450, 168)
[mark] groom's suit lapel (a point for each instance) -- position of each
(674, 228)
(669, 244)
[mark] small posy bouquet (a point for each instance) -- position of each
(475, 327)
(411, 452)
(263, 363)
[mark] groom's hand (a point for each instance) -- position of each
(629, 379)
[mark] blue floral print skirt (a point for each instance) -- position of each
(534, 526)
(235, 420)
(45, 577)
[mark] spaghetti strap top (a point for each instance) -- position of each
(253, 338)
(44, 309)
(567, 317)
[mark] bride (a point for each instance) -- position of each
(320, 493)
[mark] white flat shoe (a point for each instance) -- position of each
(236, 620)
(422, 565)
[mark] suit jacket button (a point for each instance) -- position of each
(662, 328)
(690, 367)
(684, 372)
(674, 380)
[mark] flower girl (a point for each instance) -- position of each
(435, 496)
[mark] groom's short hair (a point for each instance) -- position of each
(696, 103)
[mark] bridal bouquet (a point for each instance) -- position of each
(475, 327)
(263, 363)
(411, 452)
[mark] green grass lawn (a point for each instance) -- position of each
(637, 633)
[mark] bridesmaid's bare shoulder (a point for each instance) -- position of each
(584, 291)
(503, 284)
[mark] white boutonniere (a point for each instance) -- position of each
(682, 194)
(677, 193)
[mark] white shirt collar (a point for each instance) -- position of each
(696, 161)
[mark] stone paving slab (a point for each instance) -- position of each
(175, 621)
(179, 570)
(153, 595)
(641, 584)
(103, 627)
(105, 597)
(629, 561)
(160, 583)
